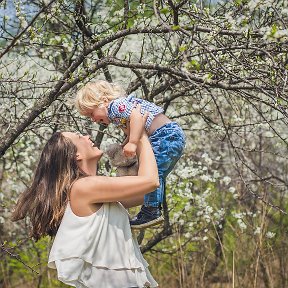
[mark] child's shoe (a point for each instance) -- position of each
(148, 216)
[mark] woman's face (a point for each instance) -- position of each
(85, 147)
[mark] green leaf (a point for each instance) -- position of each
(164, 10)
(130, 23)
(274, 29)
(195, 64)
(183, 48)
(175, 27)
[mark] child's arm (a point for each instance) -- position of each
(125, 141)
(134, 132)
(126, 132)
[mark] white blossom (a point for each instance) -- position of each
(206, 178)
(241, 224)
(216, 174)
(199, 213)
(270, 234)
(226, 180)
(257, 230)
(253, 4)
(187, 235)
(187, 206)
(268, 134)
(235, 196)
(232, 190)
(181, 222)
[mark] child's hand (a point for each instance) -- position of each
(129, 149)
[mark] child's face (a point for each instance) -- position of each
(99, 114)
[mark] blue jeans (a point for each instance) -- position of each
(167, 143)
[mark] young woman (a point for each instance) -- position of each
(93, 245)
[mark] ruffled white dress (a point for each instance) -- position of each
(99, 251)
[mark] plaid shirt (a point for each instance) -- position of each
(119, 110)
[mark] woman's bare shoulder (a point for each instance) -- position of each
(89, 184)
(81, 185)
(80, 195)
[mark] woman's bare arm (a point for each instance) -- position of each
(133, 202)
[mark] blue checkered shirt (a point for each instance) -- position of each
(119, 110)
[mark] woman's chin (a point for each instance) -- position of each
(98, 153)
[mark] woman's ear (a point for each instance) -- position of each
(78, 157)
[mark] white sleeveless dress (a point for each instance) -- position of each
(99, 251)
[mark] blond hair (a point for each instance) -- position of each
(93, 93)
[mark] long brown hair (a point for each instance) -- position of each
(44, 202)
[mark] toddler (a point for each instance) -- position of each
(107, 103)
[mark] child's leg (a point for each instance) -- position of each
(168, 144)
(168, 147)
(155, 198)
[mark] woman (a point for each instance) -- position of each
(93, 246)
